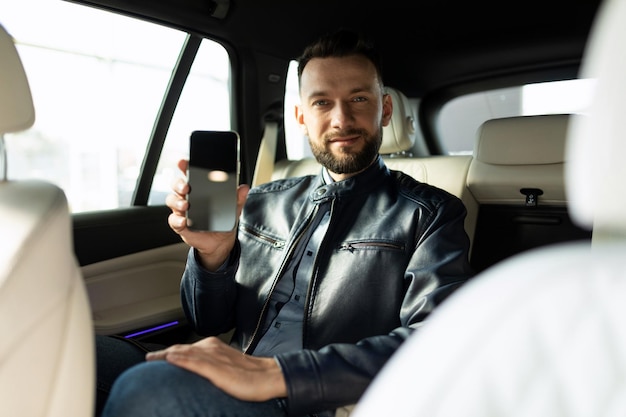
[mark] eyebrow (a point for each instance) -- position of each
(322, 93)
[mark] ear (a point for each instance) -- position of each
(300, 119)
(387, 109)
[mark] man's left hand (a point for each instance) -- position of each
(242, 376)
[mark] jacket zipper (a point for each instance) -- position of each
(352, 246)
(274, 242)
(280, 272)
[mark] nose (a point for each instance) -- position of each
(342, 115)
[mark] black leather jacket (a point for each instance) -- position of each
(395, 248)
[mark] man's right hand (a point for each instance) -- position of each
(213, 247)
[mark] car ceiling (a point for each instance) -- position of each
(426, 44)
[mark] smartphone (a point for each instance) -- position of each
(213, 178)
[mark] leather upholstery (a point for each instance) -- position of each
(16, 103)
(596, 147)
(47, 363)
(46, 348)
(538, 335)
(519, 152)
(542, 333)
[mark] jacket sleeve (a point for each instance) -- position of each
(208, 298)
(338, 374)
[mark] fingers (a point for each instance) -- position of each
(177, 201)
(209, 345)
(157, 355)
(183, 164)
(246, 377)
(177, 220)
(213, 248)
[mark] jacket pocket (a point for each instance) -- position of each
(358, 245)
(264, 238)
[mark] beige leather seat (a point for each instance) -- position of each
(517, 179)
(47, 365)
(543, 333)
(520, 152)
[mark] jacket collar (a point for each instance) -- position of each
(362, 182)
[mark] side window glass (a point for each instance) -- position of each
(97, 81)
(460, 118)
(203, 105)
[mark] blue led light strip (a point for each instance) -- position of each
(152, 329)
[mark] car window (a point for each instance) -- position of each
(461, 117)
(98, 80)
(203, 105)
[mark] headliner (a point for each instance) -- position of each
(425, 44)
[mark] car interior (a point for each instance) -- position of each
(70, 267)
(550, 340)
(47, 347)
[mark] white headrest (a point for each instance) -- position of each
(596, 149)
(399, 134)
(523, 140)
(16, 103)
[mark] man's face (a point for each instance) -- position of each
(342, 112)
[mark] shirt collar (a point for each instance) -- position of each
(326, 176)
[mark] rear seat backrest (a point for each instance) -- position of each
(519, 152)
(517, 178)
(446, 172)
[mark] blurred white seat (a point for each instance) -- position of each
(47, 363)
(542, 333)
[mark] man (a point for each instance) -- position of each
(325, 275)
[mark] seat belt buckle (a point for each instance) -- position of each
(532, 196)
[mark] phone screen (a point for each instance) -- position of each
(213, 177)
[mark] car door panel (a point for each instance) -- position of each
(107, 234)
(136, 291)
(132, 263)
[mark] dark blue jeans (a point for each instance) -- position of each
(130, 387)
(114, 356)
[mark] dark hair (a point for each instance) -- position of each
(340, 44)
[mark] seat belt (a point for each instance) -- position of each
(267, 153)
(264, 167)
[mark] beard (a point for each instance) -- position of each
(348, 162)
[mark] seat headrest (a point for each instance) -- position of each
(399, 134)
(514, 153)
(522, 140)
(16, 103)
(596, 146)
